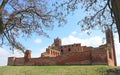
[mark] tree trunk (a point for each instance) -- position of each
(4, 2)
(116, 11)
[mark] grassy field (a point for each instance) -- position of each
(54, 70)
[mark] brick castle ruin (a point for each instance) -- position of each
(58, 54)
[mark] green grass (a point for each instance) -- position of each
(54, 70)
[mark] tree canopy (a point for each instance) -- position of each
(102, 14)
(22, 18)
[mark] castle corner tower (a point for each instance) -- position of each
(110, 47)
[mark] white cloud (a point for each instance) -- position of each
(38, 41)
(38, 54)
(74, 32)
(17, 53)
(93, 41)
(4, 54)
(86, 31)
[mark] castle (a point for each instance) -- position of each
(58, 54)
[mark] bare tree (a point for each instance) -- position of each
(99, 13)
(22, 18)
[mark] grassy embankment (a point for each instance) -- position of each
(54, 70)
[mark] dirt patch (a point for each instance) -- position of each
(115, 71)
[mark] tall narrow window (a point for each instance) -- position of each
(110, 55)
(62, 51)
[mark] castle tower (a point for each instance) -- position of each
(110, 46)
(27, 55)
(57, 43)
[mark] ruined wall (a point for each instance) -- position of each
(15, 61)
(19, 61)
(11, 60)
(99, 56)
(41, 61)
(74, 58)
(32, 62)
(50, 53)
(70, 48)
(86, 57)
(56, 54)
(74, 48)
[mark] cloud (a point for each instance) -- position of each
(93, 41)
(38, 41)
(74, 32)
(17, 53)
(38, 53)
(4, 54)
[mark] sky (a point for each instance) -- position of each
(69, 33)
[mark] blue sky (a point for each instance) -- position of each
(69, 33)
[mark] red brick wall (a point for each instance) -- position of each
(15, 61)
(75, 58)
(99, 57)
(87, 57)
(73, 54)
(11, 60)
(71, 48)
(19, 61)
(110, 60)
